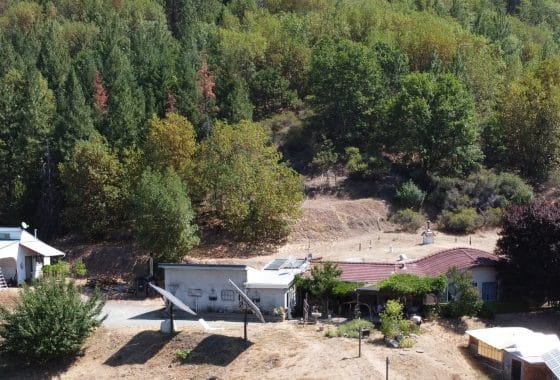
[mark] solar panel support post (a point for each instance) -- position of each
(245, 325)
(170, 312)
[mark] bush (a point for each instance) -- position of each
(391, 319)
(60, 269)
(408, 327)
(362, 166)
(409, 195)
(430, 312)
(482, 190)
(462, 221)
(80, 269)
(351, 329)
(490, 308)
(50, 321)
(408, 219)
(407, 342)
(492, 217)
(466, 301)
(183, 355)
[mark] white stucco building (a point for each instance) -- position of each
(22, 255)
(205, 287)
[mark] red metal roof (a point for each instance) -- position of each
(431, 265)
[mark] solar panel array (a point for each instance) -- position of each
(277, 264)
(552, 360)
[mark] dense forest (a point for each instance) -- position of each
(163, 114)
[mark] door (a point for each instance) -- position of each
(28, 268)
(489, 291)
(515, 369)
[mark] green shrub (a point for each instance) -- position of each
(515, 189)
(490, 308)
(431, 311)
(482, 190)
(492, 217)
(462, 221)
(363, 166)
(408, 219)
(351, 329)
(409, 195)
(466, 300)
(80, 269)
(391, 319)
(183, 355)
(51, 321)
(407, 342)
(60, 269)
(331, 333)
(408, 327)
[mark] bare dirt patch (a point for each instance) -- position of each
(345, 229)
(279, 350)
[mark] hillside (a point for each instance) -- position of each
(330, 228)
(142, 115)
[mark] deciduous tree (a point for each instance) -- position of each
(530, 244)
(163, 217)
(255, 195)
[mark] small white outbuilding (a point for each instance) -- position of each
(22, 255)
(206, 287)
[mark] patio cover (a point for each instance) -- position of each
(30, 242)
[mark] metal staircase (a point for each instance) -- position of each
(3, 284)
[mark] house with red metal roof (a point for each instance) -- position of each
(481, 265)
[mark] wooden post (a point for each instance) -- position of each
(387, 369)
(360, 343)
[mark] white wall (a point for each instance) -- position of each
(270, 298)
(179, 280)
(481, 275)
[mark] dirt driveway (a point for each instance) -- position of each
(149, 313)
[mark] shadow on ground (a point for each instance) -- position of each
(11, 367)
(218, 350)
(141, 348)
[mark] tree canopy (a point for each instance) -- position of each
(429, 90)
(530, 244)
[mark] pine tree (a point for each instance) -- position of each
(74, 117)
(125, 110)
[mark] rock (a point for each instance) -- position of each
(393, 343)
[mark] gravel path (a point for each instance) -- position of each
(150, 314)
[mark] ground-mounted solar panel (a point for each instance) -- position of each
(247, 302)
(552, 360)
(174, 300)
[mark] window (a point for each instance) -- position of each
(228, 295)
